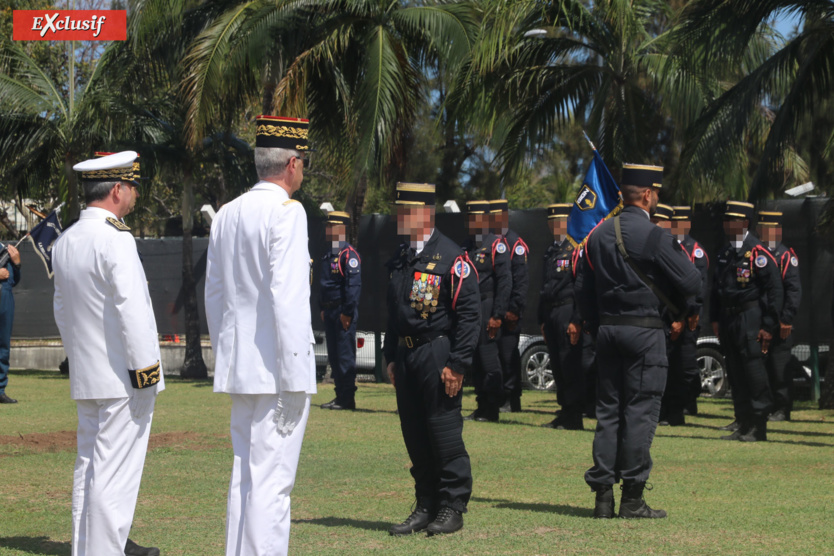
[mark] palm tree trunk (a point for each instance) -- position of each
(355, 204)
(73, 204)
(193, 366)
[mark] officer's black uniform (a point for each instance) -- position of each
(779, 354)
(491, 261)
(683, 385)
(631, 350)
(746, 297)
(511, 331)
(557, 309)
(340, 287)
(433, 322)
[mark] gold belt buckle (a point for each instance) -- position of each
(409, 344)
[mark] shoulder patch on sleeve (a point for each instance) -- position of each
(119, 225)
(761, 261)
(462, 269)
(289, 202)
(501, 247)
(794, 261)
(353, 263)
(699, 253)
(519, 250)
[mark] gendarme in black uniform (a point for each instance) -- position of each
(433, 322)
(631, 348)
(746, 297)
(557, 310)
(779, 353)
(340, 285)
(490, 258)
(511, 330)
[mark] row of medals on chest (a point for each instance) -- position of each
(744, 272)
(425, 291)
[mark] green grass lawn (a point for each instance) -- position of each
(353, 481)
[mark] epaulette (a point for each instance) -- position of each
(290, 201)
(118, 224)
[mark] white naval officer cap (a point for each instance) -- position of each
(121, 166)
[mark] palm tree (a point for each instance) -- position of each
(775, 99)
(355, 71)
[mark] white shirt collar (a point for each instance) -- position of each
(269, 186)
(736, 242)
(96, 212)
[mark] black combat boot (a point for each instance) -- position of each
(604, 505)
(133, 549)
(741, 430)
(329, 404)
(756, 432)
(448, 521)
(732, 427)
(779, 415)
(417, 521)
(633, 506)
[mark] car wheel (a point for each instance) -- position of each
(535, 368)
(714, 383)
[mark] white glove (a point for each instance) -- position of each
(141, 402)
(289, 410)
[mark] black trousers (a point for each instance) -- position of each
(432, 427)
(745, 365)
(487, 374)
(631, 377)
(341, 353)
(566, 360)
(777, 364)
(510, 360)
(684, 376)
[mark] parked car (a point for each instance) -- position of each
(365, 356)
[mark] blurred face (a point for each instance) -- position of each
(735, 226)
(499, 221)
(415, 221)
(681, 227)
(477, 223)
(295, 173)
(558, 227)
(770, 233)
(335, 232)
(655, 198)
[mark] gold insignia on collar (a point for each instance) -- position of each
(747, 254)
(118, 224)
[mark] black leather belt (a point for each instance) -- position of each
(738, 309)
(626, 320)
(331, 304)
(412, 342)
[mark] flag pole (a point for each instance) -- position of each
(588, 139)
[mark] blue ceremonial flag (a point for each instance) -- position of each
(598, 199)
(43, 236)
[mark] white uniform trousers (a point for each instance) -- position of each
(108, 470)
(263, 475)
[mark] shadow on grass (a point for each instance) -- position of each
(36, 545)
(562, 509)
(538, 425)
(40, 374)
(769, 440)
(345, 522)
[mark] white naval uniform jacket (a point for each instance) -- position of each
(102, 307)
(258, 295)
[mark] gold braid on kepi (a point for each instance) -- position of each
(559, 210)
(642, 175)
(417, 194)
(770, 218)
(682, 213)
(338, 217)
(738, 209)
(121, 166)
(477, 207)
(143, 378)
(277, 132)
(663, 212)
(499, 205)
